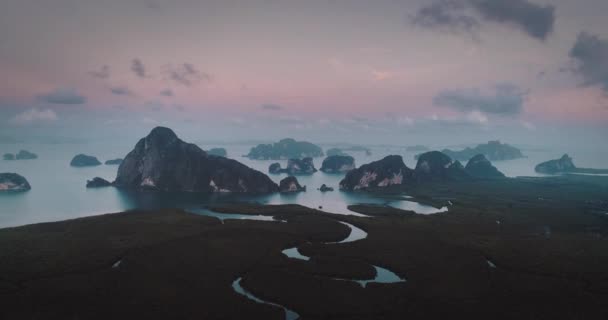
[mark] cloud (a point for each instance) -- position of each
(591, 54)
(102, 73)
(507, 100)
(270, 106)
(449, 15)
(62, 96)
(535, 20)
(381, 75)
(167, 93)
(138, 68)
(186, 74)
(34, 116)
(121, 91)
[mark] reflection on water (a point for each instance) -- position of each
(382, 276)
(236, 285)
(224, 216)
(294, 253)
(354, 235)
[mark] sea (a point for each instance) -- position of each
(59, 193)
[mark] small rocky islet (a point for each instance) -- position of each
(338, 164)
(12, 182)
(113, 162)
(98, 182)
(21, 155)
(83, 160)
(290, 185)
(303, 166)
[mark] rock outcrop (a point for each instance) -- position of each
(437, 166)
(220, 152)
(98, 182)
(338, 164)
(290, 184)
(113, 162)
(565, 165)
(12, 182)
(480, 167)
(275, 168)
(383, 173)
(83, 160)
(26, 155)
(22, 155)
(325, 188)
(493, 151)
(561, 165)
(161, 161)
(294, 167)
(301, 166)
(285, 149)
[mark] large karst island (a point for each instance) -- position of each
(161, 161)
(493, 151)
(432, 166)
(565, 165)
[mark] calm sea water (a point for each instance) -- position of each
(59, 193)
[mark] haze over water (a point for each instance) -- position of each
(58, 190)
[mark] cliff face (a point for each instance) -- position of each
(304, 166)
(563, 164)
(480, 167)
(493, 151)
(433, 166)
(338, 164)
(378, 174)
(161, 161)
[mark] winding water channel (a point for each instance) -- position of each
(382, 275)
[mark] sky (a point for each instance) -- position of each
(394, 71)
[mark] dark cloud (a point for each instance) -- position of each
(508, 99)
(590, 53)
(102, 73)
(62, 96)
(138, 68)
(465, 15)
(121, 91)
(448, 15)
(186, 74)
(167, 93)
(272, 107)
(536, 20)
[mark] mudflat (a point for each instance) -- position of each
(516, 249)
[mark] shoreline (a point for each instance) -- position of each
(548, 257)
